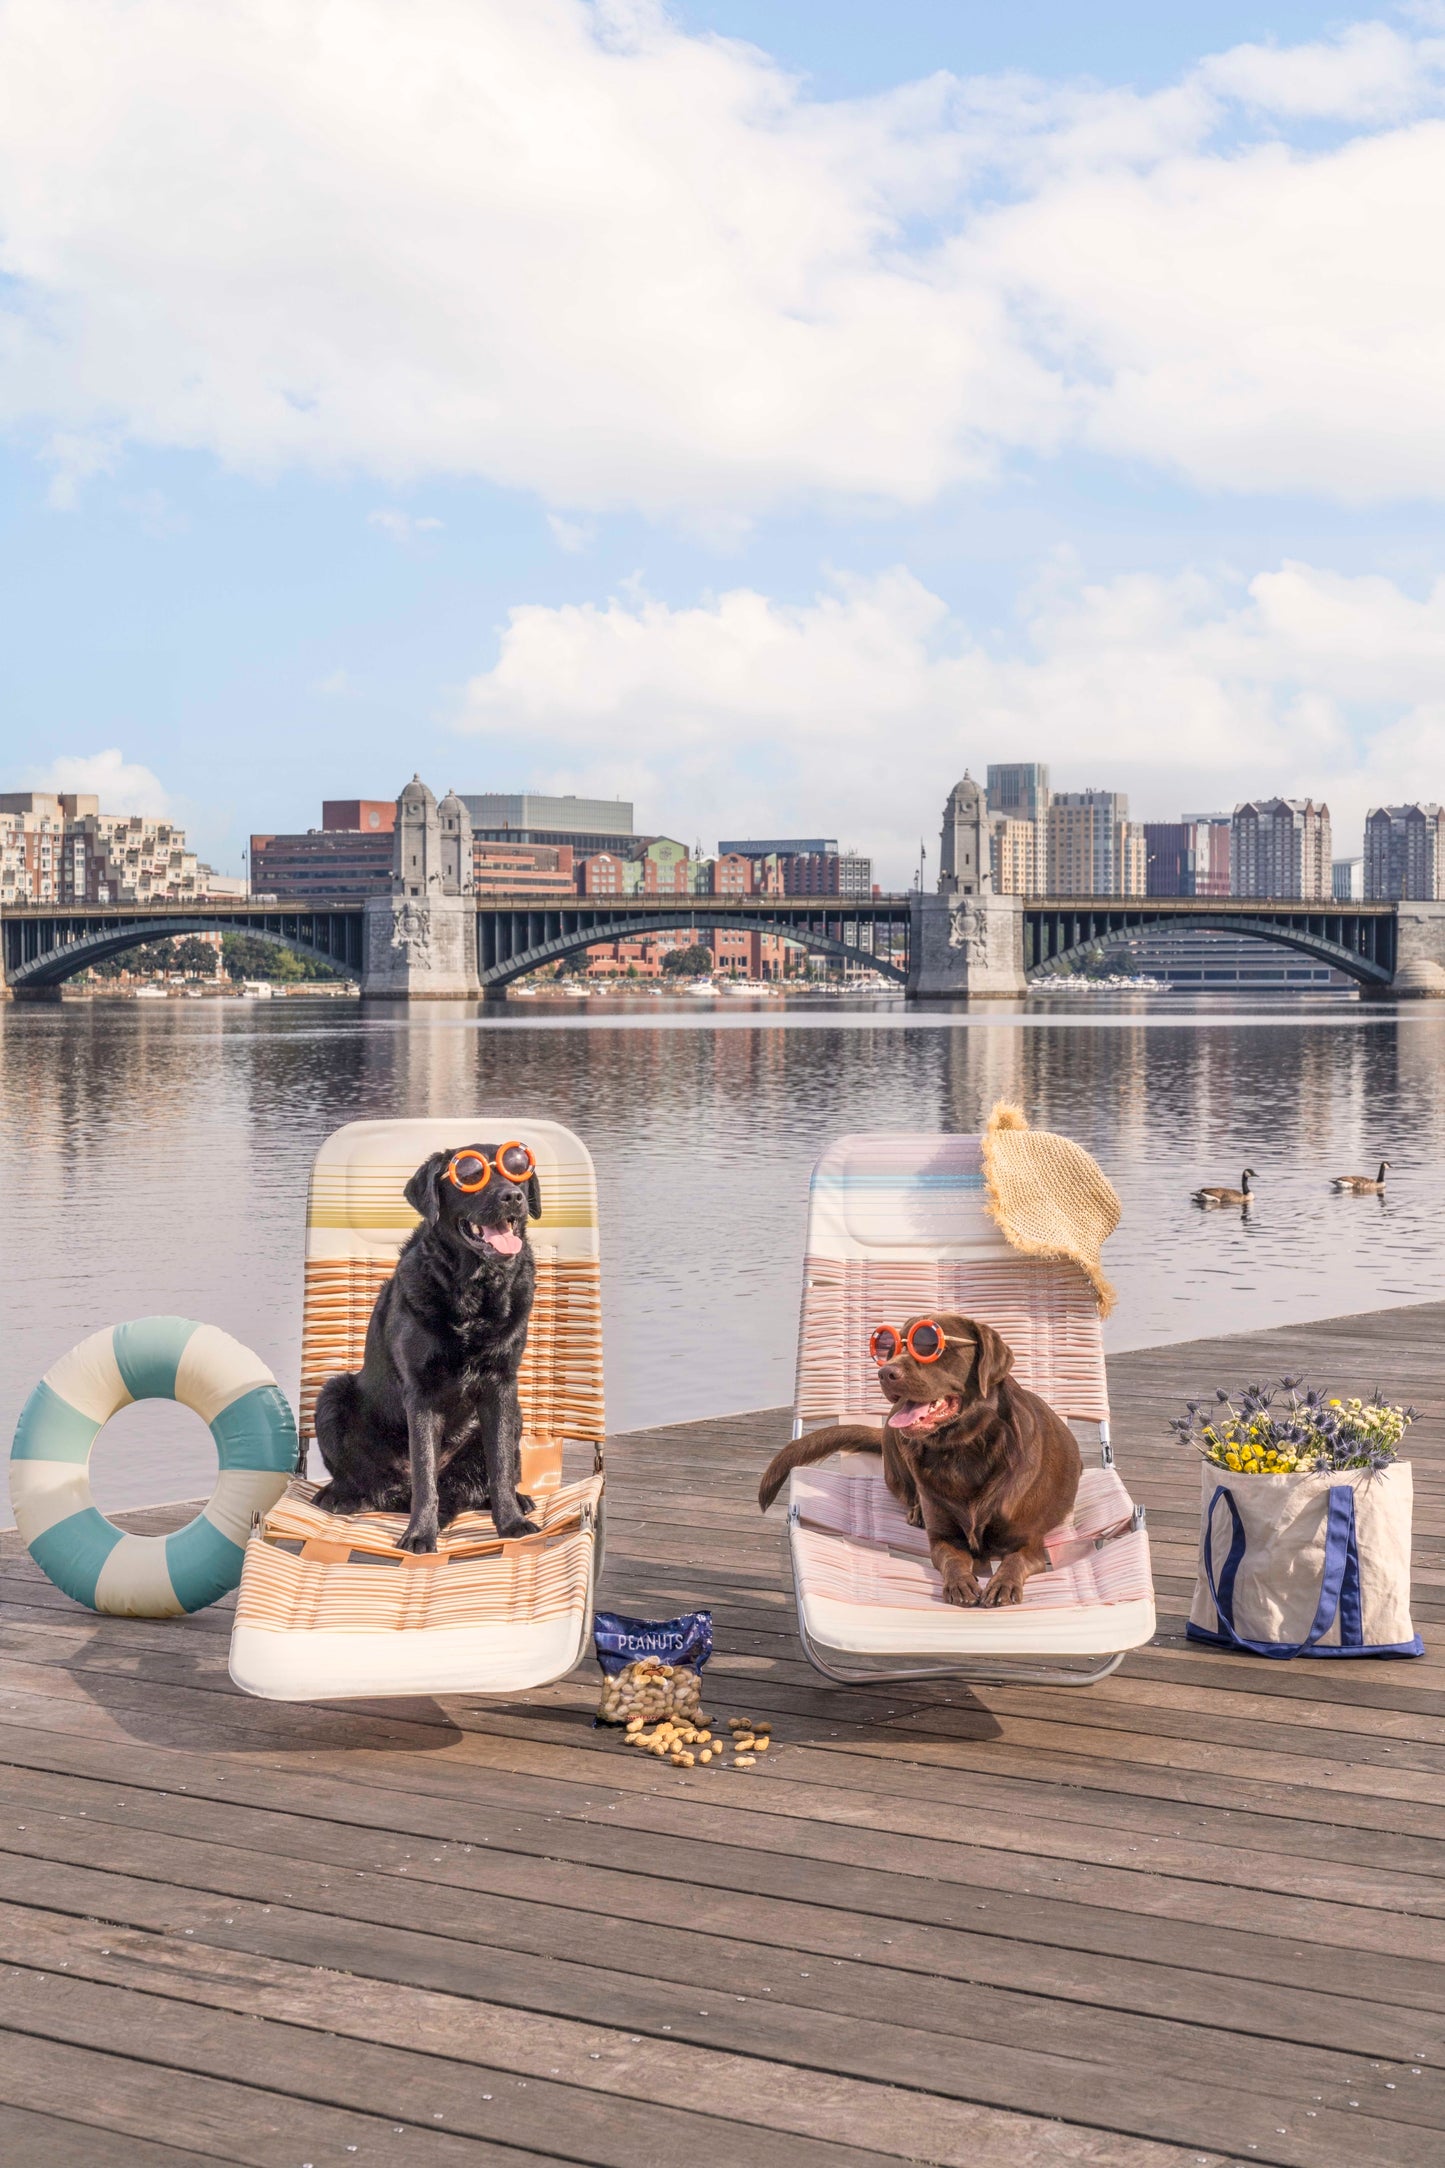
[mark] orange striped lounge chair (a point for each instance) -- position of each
(898, 1225)
(329, 1606)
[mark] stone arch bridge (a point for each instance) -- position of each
(936, 946)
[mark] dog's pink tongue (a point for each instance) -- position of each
(907, 1413)
(500, 1239)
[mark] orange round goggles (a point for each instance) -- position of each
(925, 1340)
(471, 1171)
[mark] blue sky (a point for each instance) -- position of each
(582, 399)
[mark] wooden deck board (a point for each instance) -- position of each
(1192, 1914)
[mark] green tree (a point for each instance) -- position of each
(190, 953)
(247, 956)
(688, 963)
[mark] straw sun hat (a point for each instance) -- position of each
(1048, 1197)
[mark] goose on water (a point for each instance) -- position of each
(1360, 1185)
(1242, 1195)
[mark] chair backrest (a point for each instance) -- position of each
(898, 1224)
(357, 1220)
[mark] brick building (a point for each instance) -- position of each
(1187, 857)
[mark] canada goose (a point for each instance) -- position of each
(1360, 1185)
(1242, 1195)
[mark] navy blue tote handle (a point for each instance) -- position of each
(1339, 1588)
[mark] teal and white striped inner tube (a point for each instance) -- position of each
(154, 1358)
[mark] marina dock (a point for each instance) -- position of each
(1190, 1915)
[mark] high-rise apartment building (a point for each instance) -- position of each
(1094, 849)
(1188, 857)
(1404, 853)
(1017, 797)
(1019, 863)
(1018, 789)
(1280, 847)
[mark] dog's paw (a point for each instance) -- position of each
(1002, 1589)
(528, 1505)
(915, 1515)
(968, 1593)
(419, 1536)
(518, 1528)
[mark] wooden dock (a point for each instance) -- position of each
(1191, 1915)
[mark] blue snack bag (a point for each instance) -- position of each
(651, 1668)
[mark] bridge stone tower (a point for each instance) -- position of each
(421, 939)
(966, 943)
(964, 868)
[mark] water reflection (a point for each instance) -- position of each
(154, 1158)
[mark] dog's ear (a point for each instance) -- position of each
(423, 1191)
(995, 1359)
(534, 1197)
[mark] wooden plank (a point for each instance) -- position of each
(770, 2097)
(118, 2096)
(31, 2140)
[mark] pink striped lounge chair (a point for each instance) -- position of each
(898, 1225)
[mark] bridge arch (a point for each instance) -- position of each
(575, 941)
(62, 961)
(1299, 935)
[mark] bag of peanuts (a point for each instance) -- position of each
(651, 1668)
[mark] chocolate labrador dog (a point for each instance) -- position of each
(984, 1467)
(431, 1424)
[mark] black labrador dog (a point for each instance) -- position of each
(431, 1422)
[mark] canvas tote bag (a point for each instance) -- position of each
(1305, 1565)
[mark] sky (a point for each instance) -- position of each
(760, 409)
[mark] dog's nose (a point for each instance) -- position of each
(893, 1372)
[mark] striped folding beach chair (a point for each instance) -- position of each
(329, 1604)
(897, 1226)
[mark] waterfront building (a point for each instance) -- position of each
(368, 815)
(58, 847)
(663, 867)
(1017, 857)
(811, 865)
(602, 873)
(1094, 849)
(584, 825)
(523, 869)
(735, 873)
(1280, 848)
(1187, 857)
(1018, 789)
(1404, 858)
(343, 861)
(1347, 880)
(1017, 798)
(1196, 960)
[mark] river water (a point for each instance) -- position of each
(154, 1157)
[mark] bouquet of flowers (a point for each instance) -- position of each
(1291, 1429)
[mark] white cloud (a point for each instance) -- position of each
(580, 252)
(123, 786)
(569, 534)
(404, 528)
(854, 712)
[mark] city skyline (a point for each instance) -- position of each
(915, 459)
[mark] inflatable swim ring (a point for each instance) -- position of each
(154, 1358)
